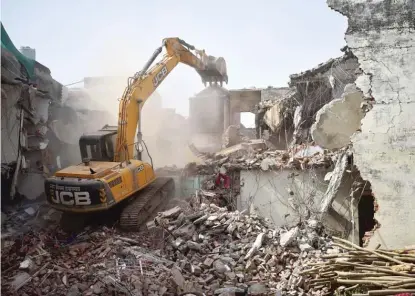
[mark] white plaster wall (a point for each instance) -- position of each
(268, 194)
(382, 36)
(338, 120)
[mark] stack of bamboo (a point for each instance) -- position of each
(376, 272)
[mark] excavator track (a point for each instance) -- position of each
(145, 202)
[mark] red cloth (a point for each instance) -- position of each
(403, 294)
(225, 178)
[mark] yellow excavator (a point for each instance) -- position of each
(111, 171)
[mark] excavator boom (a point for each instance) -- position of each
(212, 70)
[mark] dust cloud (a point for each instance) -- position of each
(165, 133)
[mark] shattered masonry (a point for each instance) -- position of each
(205, 248)
(384, 43)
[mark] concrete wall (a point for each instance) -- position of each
(284, 196)
(381, 35)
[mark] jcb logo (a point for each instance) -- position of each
(160, 76)
(68, 198)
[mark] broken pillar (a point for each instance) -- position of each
(206, 116)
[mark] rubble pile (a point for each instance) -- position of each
(229, 251)
(376, 272)
(210, 250)
(255, 154)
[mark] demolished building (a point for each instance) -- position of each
(276, 177)
(285, 115)
(252, 222)
(290, 186)
(42, 121)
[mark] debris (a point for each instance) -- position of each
(207, 249)
(228, 290)
(65, 280)
(208, 262)
(172, 213)
(256, 155)
(257, 289)
(266, 164)
(19, 280)
(73, 291)
(27, 264)
(220, 266)
(52, 215)
(309, 151)
(288, 237)
(31, 211)
(177, 278)
(274, 116)
(257, 244)
(305, 247)
(338, 120)
(335, 182)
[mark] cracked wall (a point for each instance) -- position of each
(381, 35)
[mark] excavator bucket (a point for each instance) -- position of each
(215, 71)
(210, 68)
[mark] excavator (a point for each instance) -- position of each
(111, 172)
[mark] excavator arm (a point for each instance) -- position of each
(109, 173)
(141, 86)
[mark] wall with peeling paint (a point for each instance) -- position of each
(381, 35)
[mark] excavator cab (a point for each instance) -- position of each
(99, 145)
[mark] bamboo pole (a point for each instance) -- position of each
(369, 251)
(390, 292)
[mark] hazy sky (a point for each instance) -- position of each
(263, 41)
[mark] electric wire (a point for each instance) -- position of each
(77, 82)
